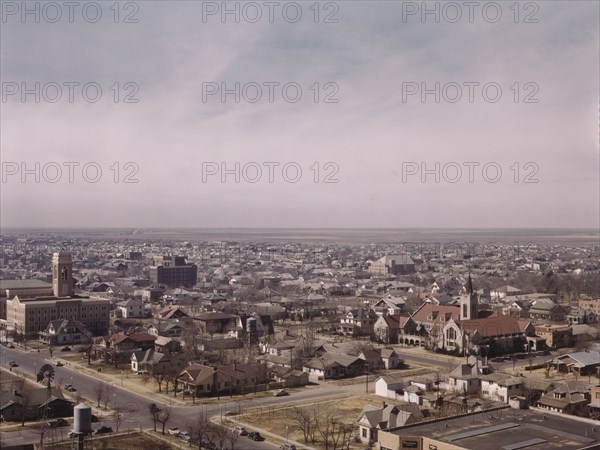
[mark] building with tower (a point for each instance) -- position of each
(62, 274)
(461, 327)
(469, 303)
(29, 312)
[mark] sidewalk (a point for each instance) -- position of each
(124, 382)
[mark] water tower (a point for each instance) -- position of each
(82, 427)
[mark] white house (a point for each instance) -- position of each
(500, 387)
(389, 386)
(132, 308)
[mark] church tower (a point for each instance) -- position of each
(62, 274)
(469, 303)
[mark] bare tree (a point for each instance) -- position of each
(306, 420)
(121, 413)
(200, 428)
(87, 348)
(192, 340)
(159, 372)
(220, 432)
(50, 349)
(328, 424)
(233, 438)
(163, 416)
(154, 411)
(108, 391)
(99, 390)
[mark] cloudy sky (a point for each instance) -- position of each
(512, 140)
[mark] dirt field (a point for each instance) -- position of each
(132, 441)
(277, 419)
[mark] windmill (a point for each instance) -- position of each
(46, 374)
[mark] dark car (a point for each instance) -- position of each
(94, 418)
(70, 388)
(13, 364)
(103, 430)
(59, 364)
(55, 423)
(255, 436)
(65, 349)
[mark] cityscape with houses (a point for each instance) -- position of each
(305, 344)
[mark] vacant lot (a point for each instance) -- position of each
(131, 441)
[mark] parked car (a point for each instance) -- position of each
(13, 364)
(174, 431)
(70, 388)
(184, 436)
(255, 436)
(94, 418)
(55, 423)
(288, 447)
(240, 430)
(59, 364)
(11, 346)
(280, 393)
(65, 349)
(104, 429)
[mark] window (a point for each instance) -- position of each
(364, 432)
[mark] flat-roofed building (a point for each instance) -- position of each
(30, 313)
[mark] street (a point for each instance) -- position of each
(30, 363)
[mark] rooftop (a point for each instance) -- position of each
(504, 428)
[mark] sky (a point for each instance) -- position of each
(369, 114)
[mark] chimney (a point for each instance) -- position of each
(384, 405)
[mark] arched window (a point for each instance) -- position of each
(451, 334)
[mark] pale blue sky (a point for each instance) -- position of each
(368, 134)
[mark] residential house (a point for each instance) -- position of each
(501, 387)
(590, 304)
(578, 316)
(149, 361)
(556, 336)
(372, 419)
(167, 328)
(215, 322)
(387, 329)
(594, 405)
(391, 360)
(358, 322)
(372, 359)
(569, 397)
(505, 291)
(331, 365)
(233, 378)
(466, 377)
(118, 347)
(546, 309)
(586, 362)
(34, 404)
(390, 386)
(132, 308)
(389, 306)
(65, 332)
(289, 377)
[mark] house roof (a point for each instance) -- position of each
(492, 326)
(428, 312)
(35, 396)
(197, 374)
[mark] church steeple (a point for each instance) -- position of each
(470, 290)
(469, 303)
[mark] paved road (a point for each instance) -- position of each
(30, 362)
